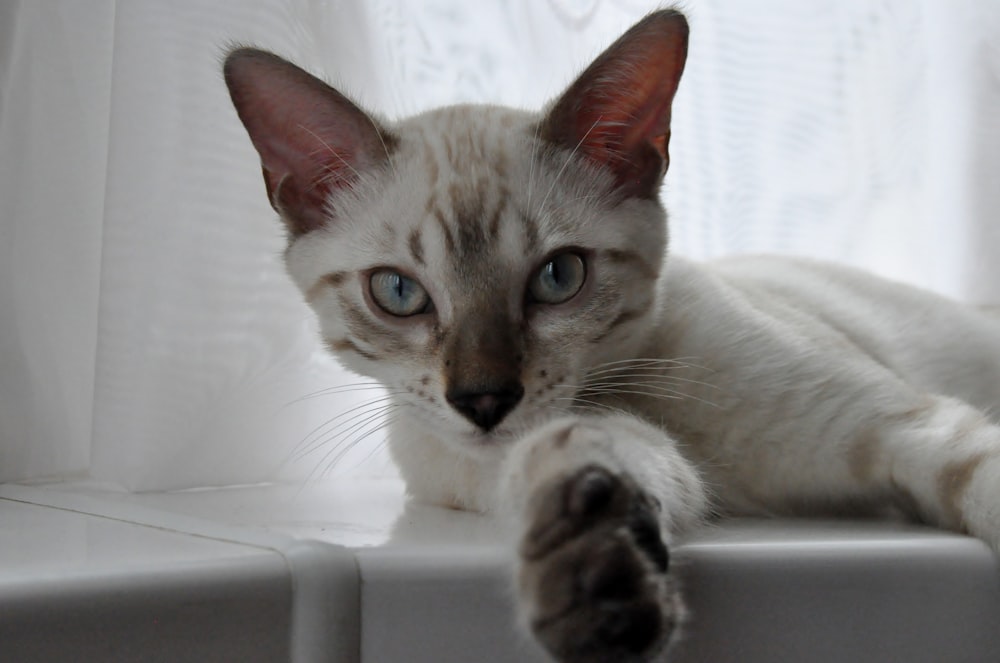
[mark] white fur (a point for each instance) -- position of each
(792, 361)
(659, 393)
(743, 386)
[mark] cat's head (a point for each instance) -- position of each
(478, 261)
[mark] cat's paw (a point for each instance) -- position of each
(594, 570)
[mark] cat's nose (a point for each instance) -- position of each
(485, 408)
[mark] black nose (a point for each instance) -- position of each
(485, 407)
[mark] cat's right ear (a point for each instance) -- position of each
(312, 140)
(617, 113)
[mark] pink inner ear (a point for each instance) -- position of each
(618, 112)
(302, 168)
(311, 139)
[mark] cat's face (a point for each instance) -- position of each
(478, 261)
(482, 273)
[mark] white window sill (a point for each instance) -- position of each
(350, 572)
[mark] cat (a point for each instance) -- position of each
(505, 275)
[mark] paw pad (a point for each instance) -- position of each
(593, 569)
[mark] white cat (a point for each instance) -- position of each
(503, 274)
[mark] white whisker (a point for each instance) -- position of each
(331, 150)
(650, 376)
(569, 159)
(625, 364)
(337, 451)
(378, 132)
(609, 391)
(658, 391)
(360, 437)
(326, 431)
(576, 401)
(359, 421)
(342, 389)
(531, 165)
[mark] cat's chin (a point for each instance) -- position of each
(486, 445)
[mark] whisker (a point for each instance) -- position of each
(660, 387)
(327, 430)
(365, 417)
(629, 360)
(637, 367)
(659, 391)
(342, 389)
(349, 411)
(649, 374)
(569, 158)
(385, 149)
(338, 450)
(378, 447)
(576, 401)
(531, 165)
(331, 150)
(625, 364)
(613, 391)
(358, 439)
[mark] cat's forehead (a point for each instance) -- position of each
(466, 142)
(460, 169)
(475, 185)
(472, 193)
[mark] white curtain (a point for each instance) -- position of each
(148, 336)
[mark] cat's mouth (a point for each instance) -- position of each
(490, 439)
(494, 440)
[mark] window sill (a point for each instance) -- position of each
(351, 572)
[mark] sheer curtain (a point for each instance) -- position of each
(148, 336)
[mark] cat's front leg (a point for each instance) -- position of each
(599, 501)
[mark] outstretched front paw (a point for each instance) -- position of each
(594, 570)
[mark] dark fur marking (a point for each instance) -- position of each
(530, 226)
(347, 345)
(449, 238)
(631, 259)
(952, 483)
(864, 454)
(360, 325)
(433, 170)
(416, 247)
(468, 209)
(621, 319)
(494, 229)
(562, 438)
(335, 279)
(449, 152)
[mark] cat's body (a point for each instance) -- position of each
(504, 275)
(788, 372)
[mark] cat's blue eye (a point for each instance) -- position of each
(559, 279)
(397, 294)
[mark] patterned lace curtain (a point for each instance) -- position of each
(148, 336)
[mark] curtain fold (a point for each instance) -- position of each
(148, 335)
(55, 78)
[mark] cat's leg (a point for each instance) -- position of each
(599, 501)
(943, 460)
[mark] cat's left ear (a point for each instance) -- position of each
(617, 113)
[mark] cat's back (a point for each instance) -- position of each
(931, 341)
